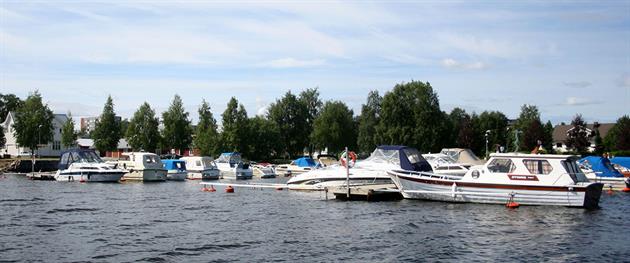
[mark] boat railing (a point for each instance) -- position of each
(430, 175)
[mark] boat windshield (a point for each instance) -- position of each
(439, 159)
(151, 159)
(572, 168)
(208, 163)
(385, 156)
(86, 157)
(229, 158)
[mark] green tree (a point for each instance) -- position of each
(8, 103)
(466, 135)
(68, 135)
(334, 128)
(310, 99)
(264, 138)
(177, 132)
(291, 118)
(235, 127)
(496, 123)
(599, 142)
(577, 136)
(3, 139)
(455, 118)
(411, 115)
(368, 137)
(124, 124)
(106, 134)
(533, 134)
(618, 137)
(206, 136)
(142, 133)
(33, 123)
(529, 130)
(547, 140)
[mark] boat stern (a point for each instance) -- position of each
(592, 194)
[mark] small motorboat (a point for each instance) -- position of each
(201, 167)
(263, 170)
(622, 164)
(444, 164)
(232, 166)
(175, 169)
(82, 165)
(298, 166)
(142, 166)
(507, 178)
(600, 169)
(463, 156)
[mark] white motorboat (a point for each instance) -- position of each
(298, 166)
(526, 179)
(444, 164)
(600, 169)
(463, 156)
(142, 166)
(372, 170)
(232, 166)
(264, 170)
(85, 166)
(175, 169)
(201, 167)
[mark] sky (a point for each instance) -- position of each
(566, 57)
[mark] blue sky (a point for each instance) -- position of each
(566, 57)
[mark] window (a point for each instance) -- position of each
(198, 163)
(501, 166)
(538, 166)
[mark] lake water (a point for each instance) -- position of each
(176, 222)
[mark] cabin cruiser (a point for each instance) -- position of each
(372, 170)
(327, 159)
(444, 164)
(263, 170)
(463, 156)
(201, 167)
(175, 169)
(142, 166)
(297, 166)
(232, 167)
(600, 169)
(527, 179)
(622, 164)
(85, 166)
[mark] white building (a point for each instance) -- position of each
(52, 148)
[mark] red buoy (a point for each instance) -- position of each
(512, 205)
(206, 189)
(229, 189)
(626, 189)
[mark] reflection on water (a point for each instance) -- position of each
(175, 221)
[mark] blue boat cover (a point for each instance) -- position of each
(171, 164)
(410, 158)
(601, 166)
(623, 161)
(305, 162)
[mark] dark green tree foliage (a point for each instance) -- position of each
(599, 142)
(456, 117)
(3, 139)
(33, 123)
(368, 138)
(411, 115)
(577, 136)
(618, 138)
(524, 124)
(177, 132)
(290, 116)
(310, 99)
(68, 135)
(334, 128)
(264, 138)
(206, 136)
(532, 134)
(8, 103)
(495, 122)
(106, 134)
(142, 133)
(466, 134)
(235, 127)
(124, 124)
(548, 137)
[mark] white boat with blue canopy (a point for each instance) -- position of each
(232, 166)
(85, 166)
(372, 170)
(601, 170)
(298, 166)
(175, 169)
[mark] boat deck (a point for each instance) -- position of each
(372, 192)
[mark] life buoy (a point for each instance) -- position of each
(344, 157)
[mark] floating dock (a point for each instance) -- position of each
(372, 192)
(41, 176)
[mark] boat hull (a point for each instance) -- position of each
(89, 177)
(176, 176)
(204, 175)
(147, 175)
(238, 175)
(611, 183)
(426, 188)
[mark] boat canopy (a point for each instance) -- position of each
(600, 165)
(305, 162)
(78, 156)
(406, 157)
(462, 155)
(229, 157)
(171, 164)
(621, 161)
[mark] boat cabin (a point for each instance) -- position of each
(462, 156)
(171, 165)
(77, 156)
(141, 160)
(406, 158)
(199, 163)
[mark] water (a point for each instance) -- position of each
(176, 222)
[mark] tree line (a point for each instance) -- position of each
(409, 114)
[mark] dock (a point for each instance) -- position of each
(41, 176)
(370, 193)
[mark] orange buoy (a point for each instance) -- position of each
(82, 180)
(626, 189)
(229, 189)
(206, 189)
(512, 205)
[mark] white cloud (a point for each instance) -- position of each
(452, 63)
(295, 63)
(576, 101)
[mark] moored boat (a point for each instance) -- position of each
(526, 179)
(232, 166)
(600, 169)
(175, 169)
(264, 170)
(201, 167)
(298, 166)
(82, 165)
(142, 166)
(444, 164)
(463, 156)
(622, 164)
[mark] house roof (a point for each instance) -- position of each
(560, 131)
